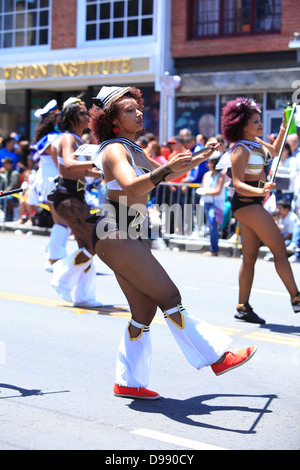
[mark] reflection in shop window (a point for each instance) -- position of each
(231, 17)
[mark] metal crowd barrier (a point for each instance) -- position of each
(181, 209)
(3, 202)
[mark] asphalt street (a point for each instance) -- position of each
(57, 362)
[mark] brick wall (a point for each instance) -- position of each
(238, 45)
(63, 24)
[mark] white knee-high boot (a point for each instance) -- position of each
(66, 274)
(56, 248)
(201, 343)
(84, 294)
(134, 358)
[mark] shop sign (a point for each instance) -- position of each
(68, 69)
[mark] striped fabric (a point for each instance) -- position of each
(108, 95)
(123, 141)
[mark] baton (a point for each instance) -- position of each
(14, 191)
(283, 142)
(196, 154)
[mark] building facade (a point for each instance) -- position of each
(54, 49)
(223, 49)
(216, 49)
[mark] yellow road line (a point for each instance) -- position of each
(122, 312)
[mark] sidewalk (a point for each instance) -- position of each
(202, 244)
(172, 241)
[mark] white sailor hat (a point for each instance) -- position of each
(108, 95)
(51, 106)
(70, 101)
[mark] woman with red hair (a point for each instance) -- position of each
(116, 121)
(242, 125)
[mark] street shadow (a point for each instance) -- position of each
(277, 328)
(181, 410)
(103, 310)
(24, 392)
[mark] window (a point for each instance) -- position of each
(24, 23)
(119, 19)
(235, 17)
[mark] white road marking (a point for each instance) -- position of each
(178, 441)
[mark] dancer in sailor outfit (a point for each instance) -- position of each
(116, 120)
(46, 140)
(241, 124)
(74, 276)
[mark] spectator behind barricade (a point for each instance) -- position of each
(293, 141)
(294, 246)
(8, 151)
(201, 139)
(213, 192)
(26, 160)
(189, 142)
(285, 175)
(154, 151)
(185, 132)
(86, 137)
(177, 146)
(142, 141)
(12, 182)
(196, 175)
(285, 219)
(26, 211)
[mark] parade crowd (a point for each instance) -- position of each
(21, 160)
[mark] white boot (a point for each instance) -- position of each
(134, 358)
(201, 343)
(84, 294)
(66, 274)
(56, 248)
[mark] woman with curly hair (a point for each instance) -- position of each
(45, 143)
(242, 125)
(116, 121)
(74, 276)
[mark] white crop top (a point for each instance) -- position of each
(61, 160)
(113, 185)
(255, 163)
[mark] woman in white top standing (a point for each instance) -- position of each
(213, 192)
(242, 125)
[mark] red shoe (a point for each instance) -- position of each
(131, 392)
(234, 359)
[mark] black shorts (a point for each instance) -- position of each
(238, 201)
(67, 189)
(115, 217)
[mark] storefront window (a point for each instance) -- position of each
(24, 23)
(13, 114)
(278, 101)
(119, 19)
(229, 17)
(197, 114)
